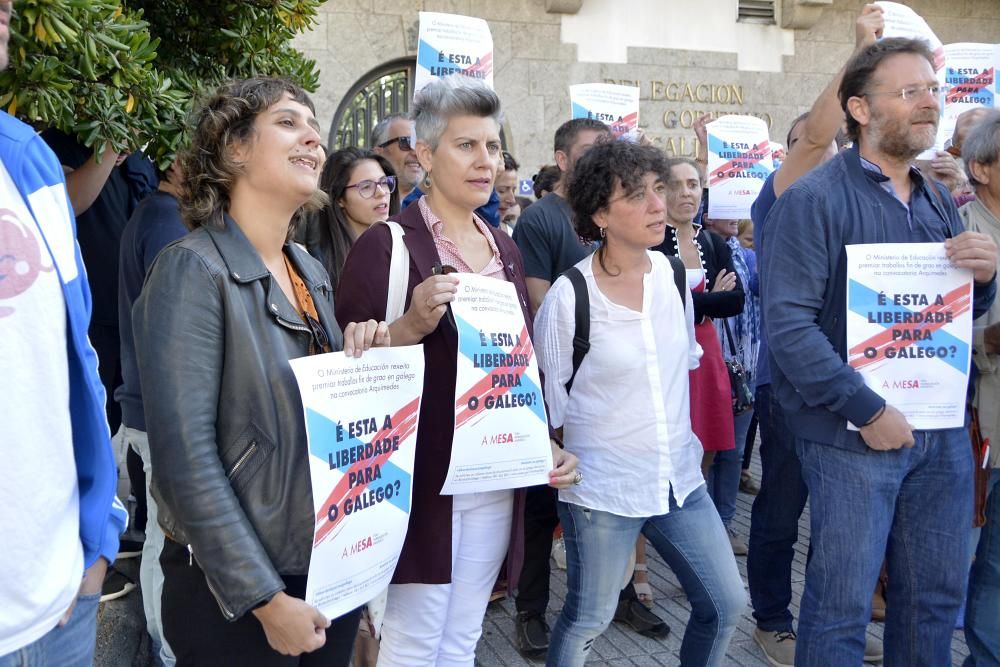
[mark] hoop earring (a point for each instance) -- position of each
(603, 232)
(427, 183)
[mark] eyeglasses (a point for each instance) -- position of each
(911, 93)
(405, 143)
(366, 188)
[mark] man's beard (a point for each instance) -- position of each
(895, 139)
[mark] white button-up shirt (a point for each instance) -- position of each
(628, 416)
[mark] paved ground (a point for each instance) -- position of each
(122, 641)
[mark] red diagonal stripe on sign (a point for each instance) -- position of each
(626, 124)
(484, 65)
(719, 174)
(484, 387)
(970, 86)
(405, 422)
(958, 301)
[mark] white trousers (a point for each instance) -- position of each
(428, 625)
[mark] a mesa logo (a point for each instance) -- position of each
(358, 547)
(901, 384)
(498, 439)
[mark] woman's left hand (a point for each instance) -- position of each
(563, 475)
(361, 336)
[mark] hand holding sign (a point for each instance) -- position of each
(292, 626)
(361, 336)
(563, 475)
(869, 26)
(889, 430)
(976, 251)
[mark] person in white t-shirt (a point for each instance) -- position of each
(58, 512)
(626, 415)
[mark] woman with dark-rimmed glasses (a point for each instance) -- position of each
(362, 188)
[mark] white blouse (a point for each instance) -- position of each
(628, 416)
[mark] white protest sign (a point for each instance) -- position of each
(969, 72)
(501, 429)
(614, 105)
(901, 21)
(361, 420)
(449, 44)
(739, 161)
(909, 329)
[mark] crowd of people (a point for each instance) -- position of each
(158, 310)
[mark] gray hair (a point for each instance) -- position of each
(380, 133)
(450, 96)
(983, 144)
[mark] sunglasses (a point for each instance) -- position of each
(405, 143)
(366, 188)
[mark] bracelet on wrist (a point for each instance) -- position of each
(881, 411)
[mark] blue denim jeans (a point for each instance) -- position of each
(913, 506)
(724, 474)
(774, 520)
(982, 611)
(692, 541)
(71, 645)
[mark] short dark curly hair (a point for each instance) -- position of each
(861, 68)
(601, 168)
(227, 118)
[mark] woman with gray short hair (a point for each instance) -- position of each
(454, 545)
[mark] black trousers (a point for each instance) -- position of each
(540, 520)
(199, 635)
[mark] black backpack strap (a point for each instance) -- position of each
(581, 330)
(680, 277)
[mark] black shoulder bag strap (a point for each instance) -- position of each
(680, 277)
(581, 329)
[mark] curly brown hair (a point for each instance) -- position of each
(225, 119)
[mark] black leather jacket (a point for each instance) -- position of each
(230, 470)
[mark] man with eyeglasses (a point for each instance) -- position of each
(394, 138)
(886, 489)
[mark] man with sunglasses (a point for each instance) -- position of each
(886, 489)
(394, 139)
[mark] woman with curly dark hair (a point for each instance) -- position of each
(361, 186)
(220, 315)
(625, 414)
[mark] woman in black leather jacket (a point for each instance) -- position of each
(221, 313)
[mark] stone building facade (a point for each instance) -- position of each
(688, 57)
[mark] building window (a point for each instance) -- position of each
(756, 11)
(383, 91)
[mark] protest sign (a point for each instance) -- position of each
(449, 44)
(739, 161)
(615, 106)
(909, 329)
(970, 74)
(501, 430)
(901, 21)
(361, 421)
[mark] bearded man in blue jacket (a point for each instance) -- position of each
(886, 489)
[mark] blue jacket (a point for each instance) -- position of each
(804, 286)
(33, 166)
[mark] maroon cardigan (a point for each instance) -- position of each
(361, 295)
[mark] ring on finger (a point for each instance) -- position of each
(578, 479)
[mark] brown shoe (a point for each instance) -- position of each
(748, 484)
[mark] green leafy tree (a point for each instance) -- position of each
(128, 72)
